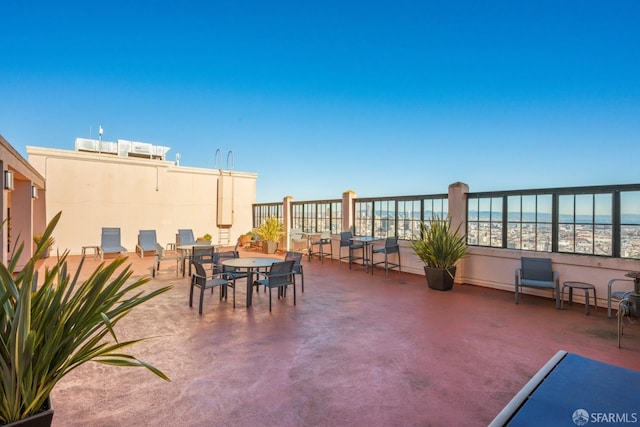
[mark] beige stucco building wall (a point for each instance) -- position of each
(22, 205)
(95, 190)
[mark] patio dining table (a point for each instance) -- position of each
(251, 265)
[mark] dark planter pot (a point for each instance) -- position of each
(41, 419)
(439, 278)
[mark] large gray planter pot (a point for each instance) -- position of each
(41, 419)
(439, 278)
(269, 247)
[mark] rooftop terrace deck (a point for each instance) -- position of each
(358, 349)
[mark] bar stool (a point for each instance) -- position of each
(345, 241)
(390, 247)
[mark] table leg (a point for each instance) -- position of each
(249, 287)
(365, 255)
(183, 256)
(586, 301)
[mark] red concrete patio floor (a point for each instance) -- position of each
(356, 350)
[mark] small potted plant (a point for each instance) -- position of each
(245, 238)
(205, 237)
(270, 232)
(47, 333)
(440, 248)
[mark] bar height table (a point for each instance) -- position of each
(366, 242)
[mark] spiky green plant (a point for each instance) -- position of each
(47, 333)
(270, 230)
(439, 246)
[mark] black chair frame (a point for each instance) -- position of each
(200, 279)
(390, 247)
(345, 241)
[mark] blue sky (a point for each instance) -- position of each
(383, 98)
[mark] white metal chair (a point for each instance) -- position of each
(297, 240)
(324, 241)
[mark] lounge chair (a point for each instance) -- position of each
(110, 242)
(185, 237)
(147, 242)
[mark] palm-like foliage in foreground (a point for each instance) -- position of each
(46, 334)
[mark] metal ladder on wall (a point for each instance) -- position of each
(225, 199)
(224, 236)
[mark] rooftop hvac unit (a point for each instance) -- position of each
(141, 148)
(134, 148)
(107, 147)
(123, 147)
(159, 151)
(83, 144)
(95, 146)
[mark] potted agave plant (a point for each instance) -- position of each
(440, 248)
(270, 232)
(47, 333)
